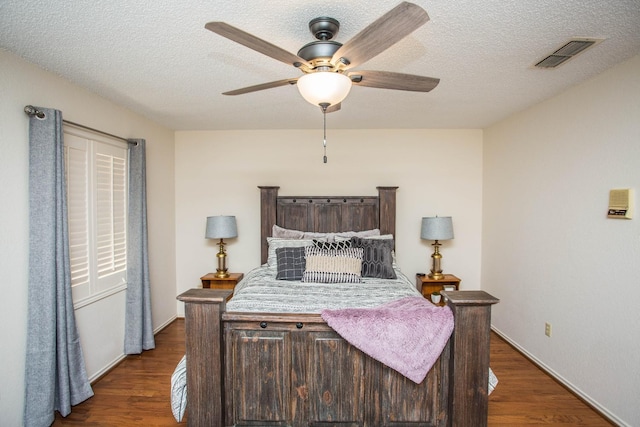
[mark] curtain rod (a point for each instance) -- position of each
(33, 111)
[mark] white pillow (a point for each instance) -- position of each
(364, 234)
(285, 233)
(275, 243)
(379, 237)
(340, 237)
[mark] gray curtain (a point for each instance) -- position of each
(138, 323)
(55, 374)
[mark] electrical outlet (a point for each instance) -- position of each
(547, 329)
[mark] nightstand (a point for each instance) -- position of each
(427, 285)
(211, 281)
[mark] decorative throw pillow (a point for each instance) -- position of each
(377, 260)
(343, 244)
(332, 266)
(275, 243)
(290, 263)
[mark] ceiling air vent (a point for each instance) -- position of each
(567, 51)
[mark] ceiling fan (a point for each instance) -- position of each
(327, 65)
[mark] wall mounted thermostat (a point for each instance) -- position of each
(620, 203)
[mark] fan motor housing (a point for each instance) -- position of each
(324, 28)
(319, 49)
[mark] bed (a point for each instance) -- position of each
(248, 367)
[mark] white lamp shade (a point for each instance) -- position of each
(221, 227)
(324, 87)
(437, 228)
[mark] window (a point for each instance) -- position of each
(96, 175)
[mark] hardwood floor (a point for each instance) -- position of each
(137, 391)
(527, 396)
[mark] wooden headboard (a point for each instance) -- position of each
(326, 214)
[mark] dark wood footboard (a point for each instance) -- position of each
(255, 369)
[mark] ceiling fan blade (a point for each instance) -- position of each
(257, 44)
(384, 32)
(262, 86)
(397, 81)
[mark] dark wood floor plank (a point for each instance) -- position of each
(137, 391)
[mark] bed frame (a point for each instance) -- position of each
(265, 369)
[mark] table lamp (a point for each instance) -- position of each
(221, 227)
(436, 228)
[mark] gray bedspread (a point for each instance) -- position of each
(259, 291)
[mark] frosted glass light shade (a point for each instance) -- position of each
(324, 87)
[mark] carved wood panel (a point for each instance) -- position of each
(422, 405)
(336, 381)
(325, 215)
(260, 366)
(293, 215)
(360, 214)
(309, 376)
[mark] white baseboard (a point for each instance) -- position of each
(575, 390)
(102, 372)
(122, 356)
(164, 325)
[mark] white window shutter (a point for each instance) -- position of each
(110, 214)
(96, 172)
(77, 174)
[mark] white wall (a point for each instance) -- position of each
(549, 252)
(20, 84)
(438, 172)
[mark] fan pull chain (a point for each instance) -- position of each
(324, 139)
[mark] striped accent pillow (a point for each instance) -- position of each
(332, 265)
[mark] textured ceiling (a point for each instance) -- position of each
(156, 57)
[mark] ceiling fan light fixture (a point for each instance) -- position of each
(324, 87)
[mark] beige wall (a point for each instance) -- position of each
(438, 172)
(20, 84)
(549, 252)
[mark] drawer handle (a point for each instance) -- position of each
(263, 325)
(299, 325)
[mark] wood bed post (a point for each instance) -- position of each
(387, 218)
(205, 356)
(268, 203)
(469, 367)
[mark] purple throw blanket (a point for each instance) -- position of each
(407, 335)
